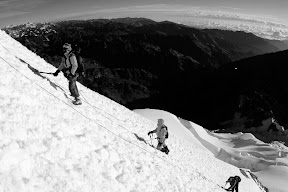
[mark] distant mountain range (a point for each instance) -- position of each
(257, 89)
(142, 63)
(231, 44)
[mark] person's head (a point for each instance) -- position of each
(67, 48)
(160, 122)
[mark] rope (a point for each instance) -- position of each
(176, 166)
(85, 115)
(95, 109)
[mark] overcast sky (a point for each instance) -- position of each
(17, 11)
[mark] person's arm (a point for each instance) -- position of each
(154, 131)
(74, 64)
(60, 67)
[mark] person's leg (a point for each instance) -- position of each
(236, 187)
(165, 149)
(163, 144)
(160, 144)
(232, 186)
(73, 87)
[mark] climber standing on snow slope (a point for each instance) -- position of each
(69, 67)
(162, 133)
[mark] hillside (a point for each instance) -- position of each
(137, 61)
(210, 47)
(48, 144)
(257, 88)
(269, 161)
(245, 44)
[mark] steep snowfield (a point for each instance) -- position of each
(174, 125)
(269, 162)
(48, 144)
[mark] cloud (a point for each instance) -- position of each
(10, 8)
(228, 18)
(220, 12)
(218, 17)
(229, 8)
(11, 14)
(276, 34)
(7, 5)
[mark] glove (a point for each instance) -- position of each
(150, 132)
(70, 76)
(56, 73)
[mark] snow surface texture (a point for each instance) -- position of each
(268, 161)
(48, 144)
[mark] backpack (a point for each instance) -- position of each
(80, 68)
(167, 135)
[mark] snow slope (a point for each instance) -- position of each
(269, 162)
(175, 126)
(48, 144)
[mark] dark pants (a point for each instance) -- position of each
(161, 143)
(235, 187)
(162, 146)
(73, 87)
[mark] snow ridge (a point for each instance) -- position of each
(48, 144)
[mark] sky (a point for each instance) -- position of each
(49, 144)
(15, 11)
(265, 18)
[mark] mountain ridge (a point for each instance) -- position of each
(48, 144)
(137, 62)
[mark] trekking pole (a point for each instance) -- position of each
(151, 139)
(45, 72)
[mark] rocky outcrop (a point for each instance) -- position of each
(260, 98)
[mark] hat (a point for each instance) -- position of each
(67, 45)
